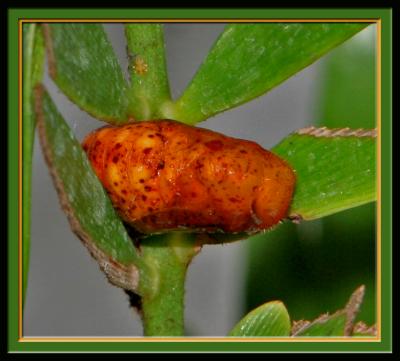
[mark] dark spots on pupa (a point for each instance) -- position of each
(147, 150)
(214, 145)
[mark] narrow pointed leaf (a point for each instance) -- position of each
(335, 170)
(149, 94)
(341, 323)
(83, 198)
(250, 59)
(83, 65)
(270, 319)
(33, 59)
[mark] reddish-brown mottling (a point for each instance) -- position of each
(214, 144)
(164, 175)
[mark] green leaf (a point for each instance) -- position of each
(341, 323)
(83, 65)
(33, 59)
(270, 319)
(250, 59)
(83, 198)
(335, 170)
(149, 94)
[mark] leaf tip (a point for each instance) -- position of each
(352, 308)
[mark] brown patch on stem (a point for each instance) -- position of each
(51, 59)
(139, 65)
(124, 276)
(295, 218)
(338, 132)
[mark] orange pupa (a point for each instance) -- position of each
(164, 175)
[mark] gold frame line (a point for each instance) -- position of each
(111, 339)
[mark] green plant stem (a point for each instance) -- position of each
(163, 283)
(149, 94)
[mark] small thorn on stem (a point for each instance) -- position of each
(295, 218)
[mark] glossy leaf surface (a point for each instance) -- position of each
(248, 60)
(335, 170)
(83, 65)
(270, 319)
(83, 198)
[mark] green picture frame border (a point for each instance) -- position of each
(16, 344)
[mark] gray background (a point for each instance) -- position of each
(67, 294)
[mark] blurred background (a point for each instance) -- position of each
(312, 267)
